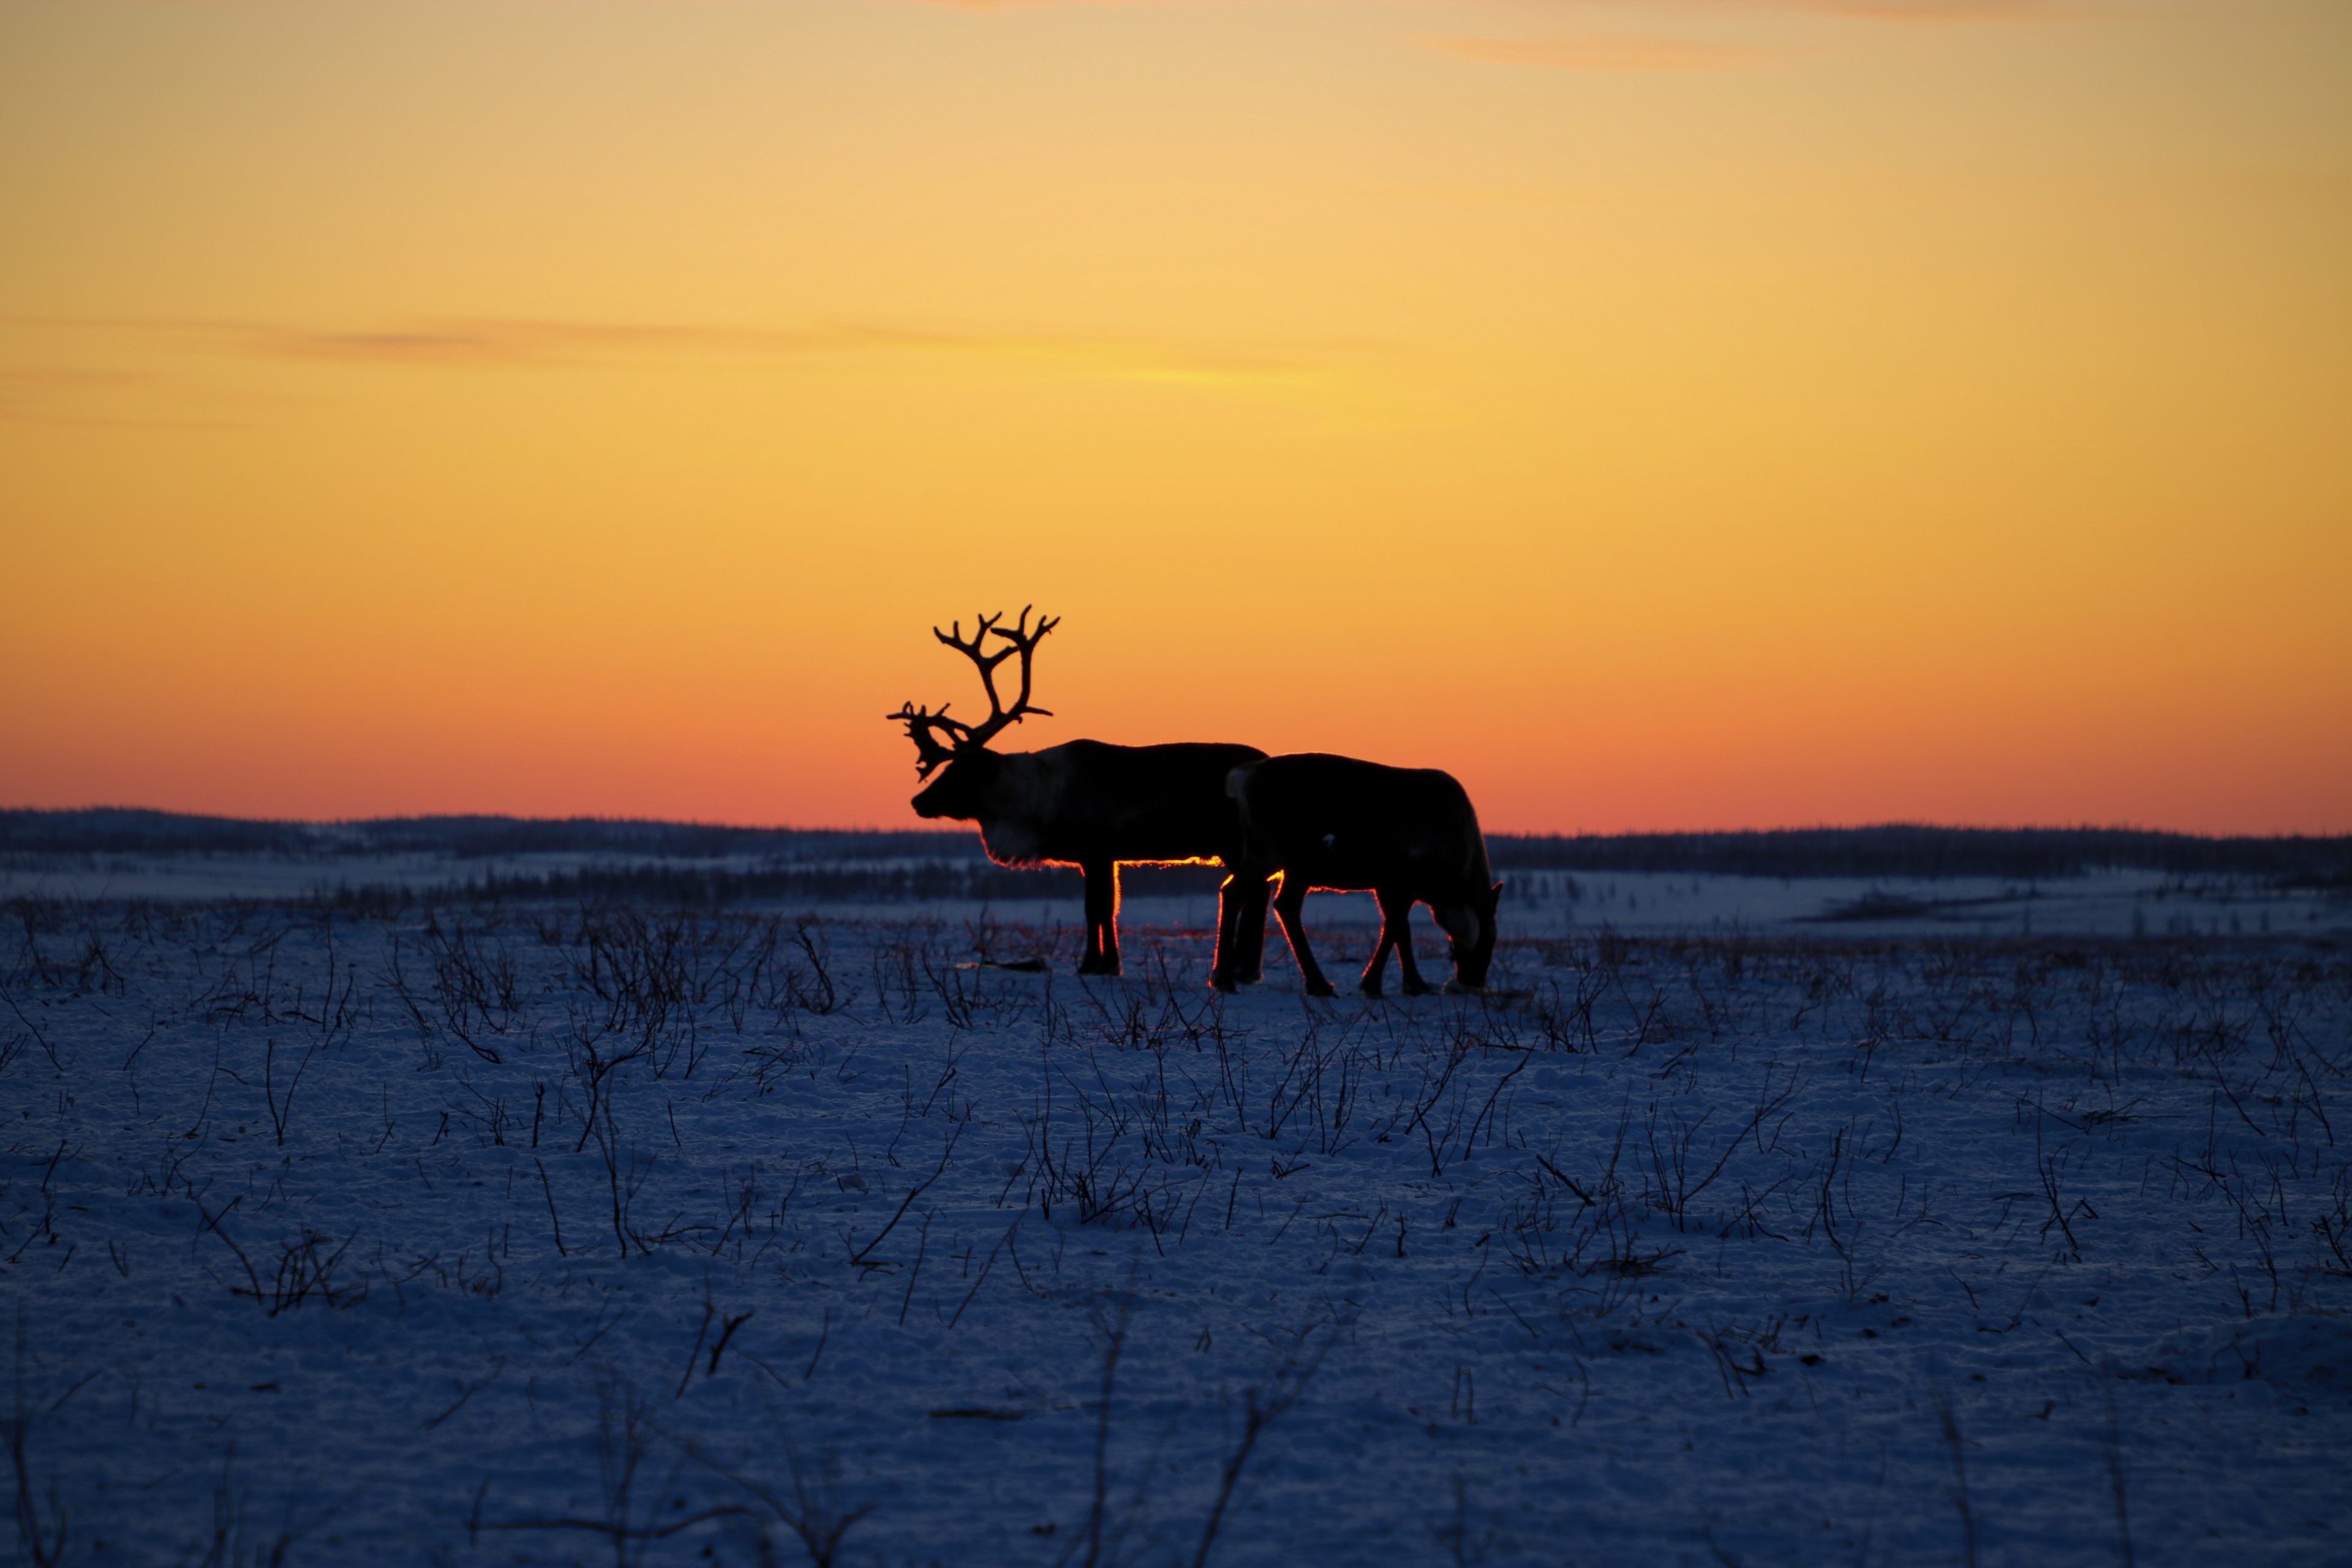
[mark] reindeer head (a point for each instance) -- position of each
(1470, 929)
(940, 741)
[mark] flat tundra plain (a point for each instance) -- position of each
(469, 1233)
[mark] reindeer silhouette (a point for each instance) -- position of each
(1407, 834)
(1087, 804)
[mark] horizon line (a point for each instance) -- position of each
(944, 832)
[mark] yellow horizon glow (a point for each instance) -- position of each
(1681, 415)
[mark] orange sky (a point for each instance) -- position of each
(1679, 414)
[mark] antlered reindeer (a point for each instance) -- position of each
(1407, 834)
(1086, 803)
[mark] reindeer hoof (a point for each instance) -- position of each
(1456, 988)
(1415, 988)
(1372, 988)
(1322, 990)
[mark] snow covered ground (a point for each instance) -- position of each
(537, 1234)
(182, 878)
(2115, 902)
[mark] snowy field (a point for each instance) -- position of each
(539, 1232)
(1540, 901)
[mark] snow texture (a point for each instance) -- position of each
(549, 1234)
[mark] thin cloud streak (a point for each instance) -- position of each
(11, 415)
(1922, 10)
(542, 343)
(1596, 54)
(1858, 10)
(1876, 10)
(539, 341)
(1861, 10)
(49, 395)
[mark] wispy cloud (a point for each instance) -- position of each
(1598, 53)
(1919, 10)
(526, 342)
(52, 396)
(1863, 10)
(1871, 10)
(517, 340)
(1647, 53)
(1886, 10)
(491, 344)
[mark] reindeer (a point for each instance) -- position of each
(1086, 803)
(1408, 834)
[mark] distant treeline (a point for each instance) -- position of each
(1906, 851)
(919, 882)
(122, 830)
(950, 864)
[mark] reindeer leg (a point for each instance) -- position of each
(1102, 919)
(1370, 984)
(1288, 904)
(1229, 915)
(1241, 931)
(1396, 932)
(1413, 983)
(1249, 963)
(1110, 921)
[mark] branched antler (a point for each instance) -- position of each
(925, 728)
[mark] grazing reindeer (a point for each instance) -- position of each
(1408, 835)
(1086, 803)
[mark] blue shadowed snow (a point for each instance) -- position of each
(535, 1233)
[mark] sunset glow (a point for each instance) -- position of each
(1671, 415)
